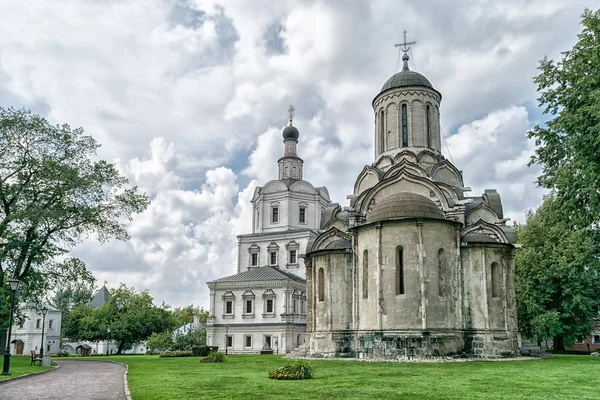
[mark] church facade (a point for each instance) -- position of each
(413, 267)
(263, 306)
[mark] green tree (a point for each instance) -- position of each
(160, 341)
(185, 315)
(569, 144)
(557, 277)
(74, 325)
(131, 316)
(54, 193)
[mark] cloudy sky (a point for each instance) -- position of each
(188, 98)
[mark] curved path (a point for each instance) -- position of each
(74, 380)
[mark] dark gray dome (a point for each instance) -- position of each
(405, 205)
(290, 132)
(406, 78)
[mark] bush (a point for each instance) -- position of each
(62, 353)
(298, 369)
(202, 351)
(176, 353)
(213, 357)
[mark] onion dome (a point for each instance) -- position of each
(290, 132)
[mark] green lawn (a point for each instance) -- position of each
(245, 377)
(19, 365)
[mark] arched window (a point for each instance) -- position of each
(365, 279)
(496, 281)
(400, 270)
(382, 132)
(428, 122)
(442, 272)
(321, 284)
(404, 126)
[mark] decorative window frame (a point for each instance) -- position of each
(273, 205)
(248, 296)
(303, 205)
(296, 303)
(228, 296)
(269, 294)
(246, 337)
(292, 246)
(254, 249)
(273, 248)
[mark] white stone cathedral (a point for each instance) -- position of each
(263, 306)
(413, 267)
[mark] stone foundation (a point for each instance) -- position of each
(406, 344)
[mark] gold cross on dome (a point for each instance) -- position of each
(291, 111)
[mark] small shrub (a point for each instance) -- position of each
(202, 351)
(213, 357)
(176, 353)
(298, 369)
(62, 353)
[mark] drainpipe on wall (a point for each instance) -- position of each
(421, 251)
(378, 279)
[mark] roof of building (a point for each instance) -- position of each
(101, 297)
(266, 273)
(406, 77)
(290, 132)
(405, 205)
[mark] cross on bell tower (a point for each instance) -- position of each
(291, 111)
(404, 47)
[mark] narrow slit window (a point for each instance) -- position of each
(404, 126)
(496, 280)
(321, 284)
(399, 270)
(428, 122)
(382, 132)
(365, 280)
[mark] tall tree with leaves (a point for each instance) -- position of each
(568, 146)
(557, 277)
(131, 316)
(54, 193)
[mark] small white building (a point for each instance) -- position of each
(27, 333)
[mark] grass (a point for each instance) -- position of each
(245, 377)
(19, 365)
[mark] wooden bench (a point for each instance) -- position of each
(35, 358)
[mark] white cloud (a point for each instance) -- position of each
(177, 89)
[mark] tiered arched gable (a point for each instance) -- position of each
(405, 155)
(404, 182)
(405, 165)
(367, 178)
(384, 162)
(427, 159)
(331, 239)
(446, 172)
(483, 232)
(481, 213)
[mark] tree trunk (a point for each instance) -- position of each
(559, 344)
(121, 345)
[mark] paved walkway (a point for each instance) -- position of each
(74, 380)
